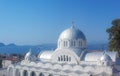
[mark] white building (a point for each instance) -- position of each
(71, 58)
(6, 63)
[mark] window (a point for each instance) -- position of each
(10, 71)
(25, 73)
(61, 58)
(69, 58)
(64, 58)
(58, 58)
(33, 74)
(73, 43)
(41, 74)
(79, 44)
(50, 75)
(17, 73)
(64, 44)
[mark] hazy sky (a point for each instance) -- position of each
(41, 21)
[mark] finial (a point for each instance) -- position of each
(104, 52)
(30, 50)
(73, 24)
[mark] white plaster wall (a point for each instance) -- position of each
(6, 63)
(64, 70)
(74, 57)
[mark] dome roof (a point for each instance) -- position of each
(106, 57)
(28, 53)
(72, 33)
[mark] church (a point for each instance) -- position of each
(70, 58)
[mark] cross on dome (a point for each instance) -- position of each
(73, 24)
(30, 50)
(104, 52)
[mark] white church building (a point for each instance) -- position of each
(70, 58)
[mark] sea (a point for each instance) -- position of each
(22, 49)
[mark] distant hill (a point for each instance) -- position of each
(12, 48)
(12, 44)
(2, 44)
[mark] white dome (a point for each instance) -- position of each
(28, 54)
(72, 38)
(72, 33)
(106, 57)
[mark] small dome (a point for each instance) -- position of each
(72, 33)
(106, 57)
(28, 54)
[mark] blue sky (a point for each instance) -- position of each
(41, 21)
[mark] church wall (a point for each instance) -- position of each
(117, 67)
(57, 69)
(65, 56)
(88, 63)
(65, 60)
(116, 74)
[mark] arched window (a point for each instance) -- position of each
(25, 73)
(50, 75)
(69, 58)
(61, 58)
(17, 72)
(66, 58)
(64, 43)
(71, 43)
(33, 74)
(74, 43)
(58, 58)
(82, 43)
(79, 44)
(10, 72)
(41, 74)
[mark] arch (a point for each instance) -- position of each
(78, 68)
(25, 73)
(17, 72)
(71, 43)
(58, 58)
(82, 43)
(57, 66)
(79, 43)
(74, 43)
(41, 74)
(50, 75)
(10, 71)
(70, 56)
(32, 73)
(88, 69)
(64, 43)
